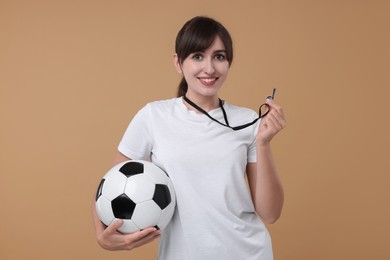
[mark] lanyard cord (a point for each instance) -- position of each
(235, 128)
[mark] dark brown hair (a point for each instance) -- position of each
(197, 35)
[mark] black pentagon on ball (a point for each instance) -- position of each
(99, 190)
(132, 168)
(123, 207)
(162, 196)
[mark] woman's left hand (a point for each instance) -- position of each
(271, 124)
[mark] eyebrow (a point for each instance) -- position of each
(216, 51)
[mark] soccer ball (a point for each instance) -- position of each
(137, 191)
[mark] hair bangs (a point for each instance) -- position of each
(199, 40)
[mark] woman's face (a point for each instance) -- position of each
(205, 71)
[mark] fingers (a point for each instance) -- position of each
(276, 115)
(145, 236)
(275, 106)
(112, 239)
(144, 233)
(275, 121)
(114, 226)
(271, 124)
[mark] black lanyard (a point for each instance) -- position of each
(235, 128)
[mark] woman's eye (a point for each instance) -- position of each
(219, 57)
(197, 56)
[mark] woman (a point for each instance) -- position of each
(217, 217)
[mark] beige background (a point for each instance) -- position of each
(73, 74)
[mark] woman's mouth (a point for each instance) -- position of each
(208, 81)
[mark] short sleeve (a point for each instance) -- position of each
(136, 143)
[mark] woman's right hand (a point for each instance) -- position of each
(111, 239)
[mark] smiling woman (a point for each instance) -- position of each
(204, 73)
(198, 35)
(216, 215)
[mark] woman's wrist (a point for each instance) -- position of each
(263, 144)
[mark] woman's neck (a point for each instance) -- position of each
(206, 103)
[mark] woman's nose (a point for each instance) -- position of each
(209, 66)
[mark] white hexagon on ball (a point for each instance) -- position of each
(146, 214)
(104, 211)
(114, 185)
(166, 215)
(172, 192)
(139, 188)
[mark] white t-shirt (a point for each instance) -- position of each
(215, 217)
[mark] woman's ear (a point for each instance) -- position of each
(177, 63)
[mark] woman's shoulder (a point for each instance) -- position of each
(162, 105)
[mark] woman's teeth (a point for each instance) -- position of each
(208, 80)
